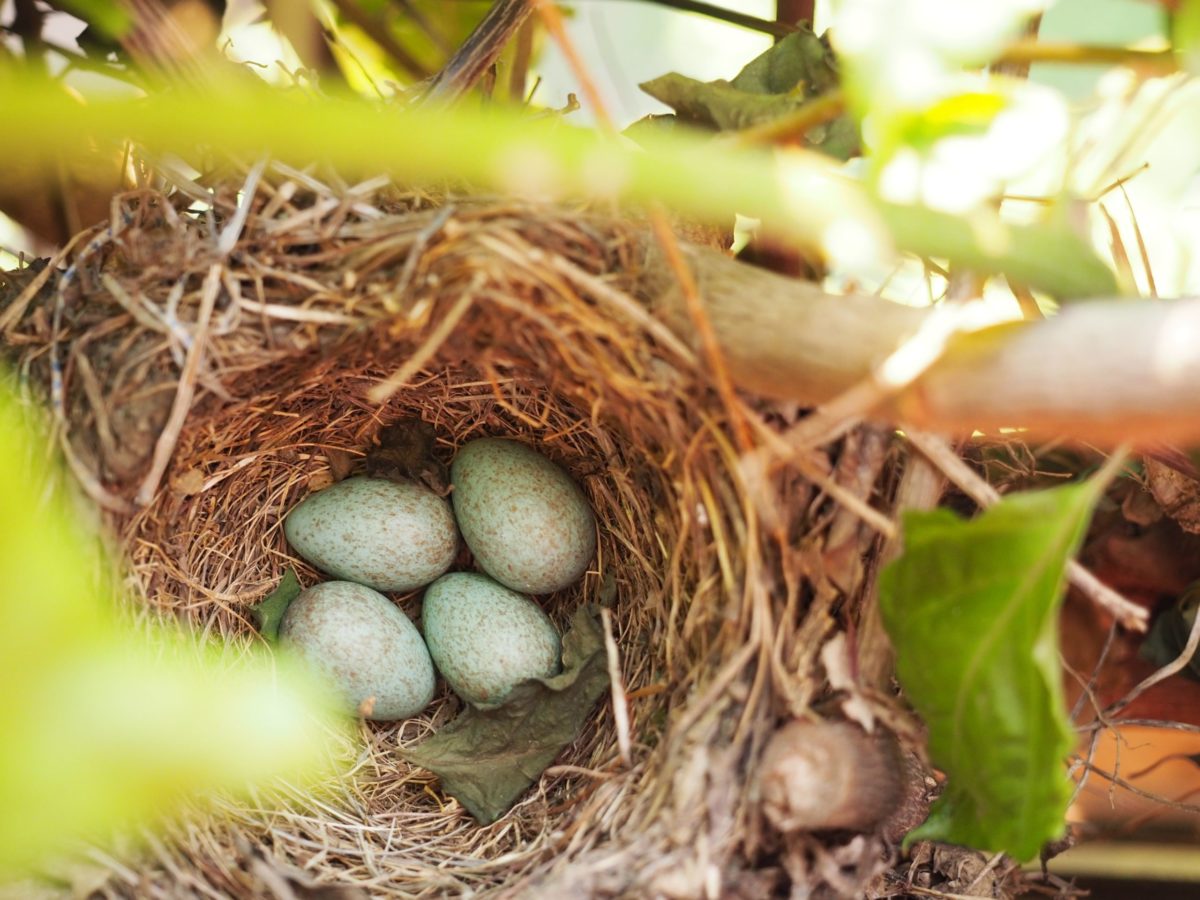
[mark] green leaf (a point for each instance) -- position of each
(985, 243)
(969, 113)
(269, 613)
(1185, 33)
(111, 19)
(488, 758)
(972, 608)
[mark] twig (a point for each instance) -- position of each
(398, 379)
(991, 864)
(793, 125)
(518, 78)
(165, 445)
(1089, 687)
(11, 316)
(616, 683)
(1179, 663)
(479, 51)
(1035, 51)
(713, 356)
(733, 17)
(552, 20)
(1149, 795)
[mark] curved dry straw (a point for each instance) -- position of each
(240, 351)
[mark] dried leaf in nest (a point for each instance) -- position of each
(405, 453)
(1176, 492)
(487, 758)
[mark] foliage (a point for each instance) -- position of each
(800, 195)
(105, 726)
(972, 610)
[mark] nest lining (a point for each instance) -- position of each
(487, 318)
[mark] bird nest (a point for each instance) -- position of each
(212, 363)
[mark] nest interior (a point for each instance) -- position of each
(212, 364)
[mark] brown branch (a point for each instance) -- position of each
(1025, 52)
(1106, 372)
(733, 17)
(479, 51)
(793, 12)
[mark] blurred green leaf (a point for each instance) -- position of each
(111, 19)
(985, 243)
(969, 113)
(1185, 33)
(269, 613)
(104, 727)
(972, 608)
(798, 195)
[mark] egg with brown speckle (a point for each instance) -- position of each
(370, 651)
(388, 535)
(485, 639)
(526, 521)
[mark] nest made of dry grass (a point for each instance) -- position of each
(211, 364)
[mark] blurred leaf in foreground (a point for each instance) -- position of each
(487, 758)
(972, 608)
(104, 727)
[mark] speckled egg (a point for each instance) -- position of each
(392, 536)
(365, 645)
(485, 638)
(527, 523)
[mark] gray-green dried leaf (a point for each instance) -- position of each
(488, 758)
(779, 81)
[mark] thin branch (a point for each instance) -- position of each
(1034, 51)
(479, 51)
(766, 26)
(965, 478)
(1149, 795)
(791, 12)
(1176, 665)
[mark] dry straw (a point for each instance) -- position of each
(209, 366)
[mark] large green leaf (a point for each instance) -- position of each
(972, 610)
